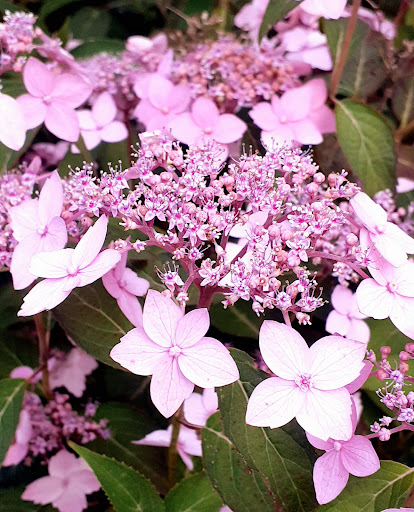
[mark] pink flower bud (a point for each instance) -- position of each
(382, 374)
(351, 239)
(384, 434)
(404, 368)
(319, 178)
(385, 351)
(404, 356)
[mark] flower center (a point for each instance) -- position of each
(72, 270)
(304, 381)
(208, 131)
(392, 287)
(283, 119)
(164, 110)
(337, 446)
(175, 351)
(42, 230)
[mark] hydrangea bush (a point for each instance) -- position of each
(221, 317)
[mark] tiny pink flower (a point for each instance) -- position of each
(389, 293)
(68, 269)
(141, 44)
(198, 408)
(38, 227)
(172, 348)
(205, 122)
(300, 115)
(125, 286)
(346, 319)
(69, 481)
(387, 238)
(12, 124)
(188, 443)
(309, 384)
(52, 99)
(19, 448)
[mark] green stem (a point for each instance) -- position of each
(43, 336)
(173, 451)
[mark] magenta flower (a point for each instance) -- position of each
(68, 269)
(188, 443)
(13, 124)
(389, 293)
(125, 286)
(164, 102)
(69, 481)
(387, 238)
(309, 384)
(37, 226)
(198, 408)
(346, 319)
(300, 115)
(52, 99)
(172, 348)
(18, 449)
(205, 122)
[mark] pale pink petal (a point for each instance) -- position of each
(337, 323)
(150, 116)
(51, 264)
(134, 284)
(331, 9)
(358, 331)
(179, 100)
(296, 103)
(262, 115)
(137, 353)
(306, 132)
(393, 244)
(91, 243)
(205, 114)
(114, 132)
(273, 403)
(21, 258)
(15, 454)
(161, 318)
(111, 284)
(71, 500)
(45, 296)
(318, 58)
(329, 477)
(44, 490)
(118, 271)
(86, 120)
(284, 350)
(282, 135)
(318, 92)
(184, 129)
(100, 265)
(131, 308)
(55, 237)
(326, 414)
(160, 88)
(208, 364)
(13, 123)
(359, 457)
(194, 410)
(84, 481)
(62, 121)
(228, 128)
(404, 185)
(210, 400)
(336, 361)
(190, 441)
(38, 79)
(21, 372)
(157, 438)
(50, 199)
(70, 90)
(323, 119)
(342, 299)
(360, 380)
(62, 464)
(192, 327)
(185, 458)
(318, 443)
(91, 138)
(169, 387)
(374, 300)
(104, 109)
(24, 218)
(401, 279)
(402, 314)
(369, 213)
(33, 109)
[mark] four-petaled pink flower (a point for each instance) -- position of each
(389, 293)
(172, 347)
(164, 102)
(346, 319)
(205, 122)
(69, 481)
(52, 99)
(309, 384)
(387, 238)
(37, 226)
(300, 115)
(68, 269)
(188, 443)
(124, 285)
(198, 408)
(18, 449)
(12, 124)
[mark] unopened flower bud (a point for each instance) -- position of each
(409, 347)
(404, 356)
(384, 434)
(404, 368)
(385, 352)
(319, 178)
(371, 356)
(382, 374)
(351, 239)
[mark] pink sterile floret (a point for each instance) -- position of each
(52, 99)
(19, 448)
(309, 384)
(164, 102)
(205, 122)
(300, 115)
(387, 238)
(69, 481)
(38, 227)
(346, 319)
(331, 9)
(99, 124)
(188, 443)
(304, 44)
(68, 269)
(198, 408)
(125, 286)
(12, 124)
(172, 348)
(250, 17)
(389, 293)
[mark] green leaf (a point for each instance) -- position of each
(9, 6)
(11, 501)
(243, 489)
(239, 320)
(364, 69)
(403, 100)
(51, 6)
(126, 425)
(127, 490)
(93, 320)
(368, 144)
(276, 11)
(282, 455)
(11, 398)
(15, 352)
(193, 494)
(91, 48)
(386, 488)
(89, 24)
